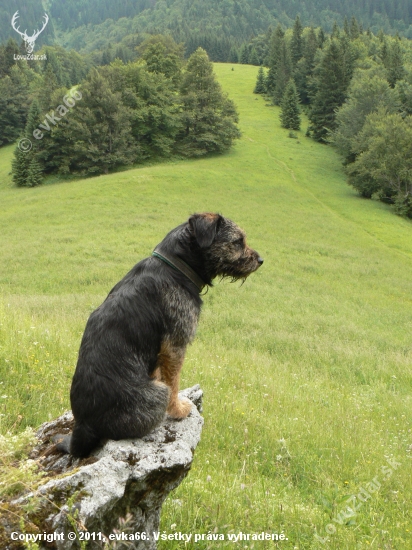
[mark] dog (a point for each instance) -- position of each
(132, 351)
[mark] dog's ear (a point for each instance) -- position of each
(205, 226)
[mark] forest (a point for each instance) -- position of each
(93, 24)
(356, 89)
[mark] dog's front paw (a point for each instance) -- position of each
(179, 409)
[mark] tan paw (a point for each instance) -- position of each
(179, 409)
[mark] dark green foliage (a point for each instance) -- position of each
(330, 83)
(209, 117)
(96, 136)
(20, 167)
(368, 92)
(34, 172)
(254, 59)
(260, 87)
(163, 56)
(33, 119)
(275, 44)
(244, 55)
(296, 43)
(304, 68)
(384, 159)
(233, 55)
(283, 72)
(14, 103)
(290, 112)
(396, 69)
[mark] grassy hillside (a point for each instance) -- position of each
(306, 368)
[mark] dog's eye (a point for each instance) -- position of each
(239, 242)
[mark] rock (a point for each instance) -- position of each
(123, 479)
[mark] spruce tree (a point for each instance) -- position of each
(33, 119)
(244, 55)
(260, 87)
(20, 167)
(331, 79)
(254, 59)
(34, 172)
(290, 113)
(305, 66)
(275, 44)
(209, 117)
(395, 66)
(296, 43)
(283, 72)
(233, 55)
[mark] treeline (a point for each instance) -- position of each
(357, 90)
(235, 18)
(122, 114)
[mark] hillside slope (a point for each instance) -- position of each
(306, 367)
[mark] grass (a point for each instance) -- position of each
(306, 368)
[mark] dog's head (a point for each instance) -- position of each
(223, 246)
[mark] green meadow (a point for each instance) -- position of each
(306, 368)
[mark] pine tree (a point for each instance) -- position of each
(296, 43)
(354, 30)
(209, 117)
(20, 167)
(254, 59)
(290, 113)
(305, 66)
(260, 87)
(346, 26)
(244, 55)
(275, 44)
(33, 119)
(331, 80)
(283, 73)
(396, 69)
(34, 173)
(233, 55)
(49, 85)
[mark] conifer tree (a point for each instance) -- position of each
(354, 30)
(296, 43)
(331, 80)
(254, 59)
(244, 55)
(290, 113)
(33, 119)
(34, 172)
(50, 84)
(346, 26)
(20, 167)
(305, 66)
(260, 87)
(283, 72)
(275, 44)
(209, 117)
(321, 38)
(395, 66)
(233, 55)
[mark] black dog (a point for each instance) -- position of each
(132, 351)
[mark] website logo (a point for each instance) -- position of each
(29, 41)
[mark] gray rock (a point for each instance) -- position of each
(123, 479)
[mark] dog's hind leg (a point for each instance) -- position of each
(170, 362)
(83, 440)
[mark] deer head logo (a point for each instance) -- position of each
(29, 40)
